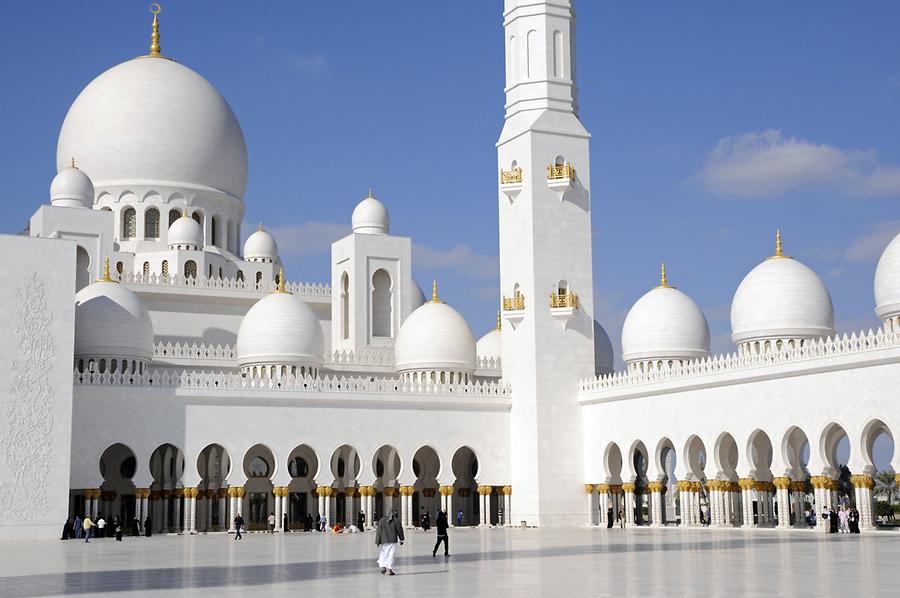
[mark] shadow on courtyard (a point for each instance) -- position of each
(205, 577)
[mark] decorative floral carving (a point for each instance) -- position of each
(26, 440)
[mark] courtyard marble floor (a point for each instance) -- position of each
(490, 562)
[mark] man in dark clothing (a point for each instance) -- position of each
(609, 518)
(426, 520)
(832, 521)
(238, 524)
(442, 525)
(285, 524)
(148, 527)
(361, 521)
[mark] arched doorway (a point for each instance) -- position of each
(466, 507)
(386, 466)
(166, 467)
(214, 465)
(427, 468)
(303, 465)
(259, 501)
(118, 465)
(639, 462)
(345, 467)
(696, 498)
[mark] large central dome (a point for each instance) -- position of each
(152, 121)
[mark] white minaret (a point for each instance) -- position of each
(545, 248)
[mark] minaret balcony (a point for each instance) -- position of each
(514, 309)
(560, 178)
(511, 182)
(563, 306)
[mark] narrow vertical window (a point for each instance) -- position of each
(381, 304)
(531, 54)
(345, 306)
(558, 54)
(151, 224)
(129, 223)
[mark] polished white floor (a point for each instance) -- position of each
(492, 562)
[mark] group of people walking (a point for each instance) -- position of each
(844, 520)
(87, 528)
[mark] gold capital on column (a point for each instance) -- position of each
(747, 483)
(589, 488)
(407, 490)
(602, 488)
(485, 490)
(696, 486)
(390, 491)
(820, 481)
(782, 483)
(655, 486)
(862, 480)
(507, 490)
(628, 486)
(349, 491)
(798, 486)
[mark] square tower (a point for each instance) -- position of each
(545, 261)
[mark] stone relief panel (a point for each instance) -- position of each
(26, 441)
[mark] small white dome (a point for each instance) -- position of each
(418, 296)
(488, 346)
(155, 122)
(111, 321)
(435, 337)
(604, 357)
(280, 329)
(71, 188)
(887, 281)
(664, 324)
(371, 217)
(781, 299)
(260, 246)
(185, 232)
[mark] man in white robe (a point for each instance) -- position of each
(388, 533)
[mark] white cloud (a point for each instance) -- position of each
(461, 259)
(308, 237)
(770, 164)
(310, 63)
(870, 246)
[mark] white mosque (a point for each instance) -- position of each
(152, 366)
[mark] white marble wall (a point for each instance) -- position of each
(37, 291)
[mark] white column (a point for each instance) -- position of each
(192, 526)
(321, 509)
(277, 490)
(589, 494)
(656, 508)
(233, 511)
(507, 507)
(782, 485)
(144, 507)
(863, 484)
(350, 517)
(223, 513)
(629, 504)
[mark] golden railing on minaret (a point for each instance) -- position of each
(562, 171)
(511, 176)
(514, 303)
(564, 299)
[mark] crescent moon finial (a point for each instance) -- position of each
(155, 8)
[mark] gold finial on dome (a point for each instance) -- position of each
(106, 277)
(72, 164)
(184, 213)
(281, 288)
(434, 293)
(498, 319)
(371, 194)
(260, 227)
(779, 251)
(663, 279)
(155, 8)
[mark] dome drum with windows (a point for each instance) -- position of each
(113, 331)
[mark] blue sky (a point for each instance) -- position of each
(713, 123)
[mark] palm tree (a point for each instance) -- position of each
(885, 485)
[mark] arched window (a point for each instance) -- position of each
(190, 269)
(240, 276)
(210, 272)
(146, 269)
(345, 306)
(298, 467)
(198, 218)
(220, 272)
(173, 216)
(213, 224)
(381, 304)
(119, 267)
(165, 269)
(151, 224)
(83, 268)
(258, 277)
(129, 223)
(258, 468)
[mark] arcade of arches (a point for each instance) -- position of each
(212, 504)
(740, 487)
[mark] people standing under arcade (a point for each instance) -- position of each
(853, 521)
(148, 528)
(285, 524)
(88, 526)
(621, 516)
(67, 529)
(135, 527)
(832, 521)
(442, 535)
(361, 521)
(271, 523)
(79, 530)
(101, 526)
(425, 520)
(117, 527)
(388, 533)
(609, 518)
(843, 517)
(459, 518)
